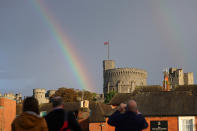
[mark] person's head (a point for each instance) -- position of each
(31, 104)
(57, 102)
(132, 106)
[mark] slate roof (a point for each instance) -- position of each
(99, 112)
(164, 103)
(96, 114)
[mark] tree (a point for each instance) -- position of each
(72, 95)
(68, 94)
(87, 95)
(109, 96)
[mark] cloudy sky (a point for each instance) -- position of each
(147, 34)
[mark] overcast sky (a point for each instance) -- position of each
(147, 34)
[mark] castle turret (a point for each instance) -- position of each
(189, 78)
(108, 64)
(178, 77)
(39, 94)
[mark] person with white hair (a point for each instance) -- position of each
(128, 118)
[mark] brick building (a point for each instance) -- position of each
(7, 113)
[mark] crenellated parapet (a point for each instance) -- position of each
(122, 80)
(125, 71)
(39, 90)
(39, 94)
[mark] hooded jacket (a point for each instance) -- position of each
(29, 121)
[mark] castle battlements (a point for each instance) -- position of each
(177, 77)
(42, 95)
(126, 71)
(122, 80)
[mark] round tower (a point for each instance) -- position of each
(122, 80)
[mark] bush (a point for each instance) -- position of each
(109, 96)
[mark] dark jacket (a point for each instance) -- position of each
(55, 120)
(128, 121)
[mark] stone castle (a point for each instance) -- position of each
(42, 95)
(177, 77)
(122, 80)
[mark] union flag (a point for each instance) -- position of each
(106, 42)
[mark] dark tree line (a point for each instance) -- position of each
(72, 95)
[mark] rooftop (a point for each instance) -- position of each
(164, 103)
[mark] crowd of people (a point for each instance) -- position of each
(126, 118)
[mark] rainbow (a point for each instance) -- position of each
(170, 30)
(65, 46)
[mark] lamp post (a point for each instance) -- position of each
(102, 125)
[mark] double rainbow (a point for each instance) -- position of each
(170, 30)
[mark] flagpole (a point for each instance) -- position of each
(108, 51)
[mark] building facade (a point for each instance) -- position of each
(178, 77)
(122, 80)
(7, 113)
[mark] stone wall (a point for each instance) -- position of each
(122, 80)
(178, 77)
(39, 94)
(188, 78)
